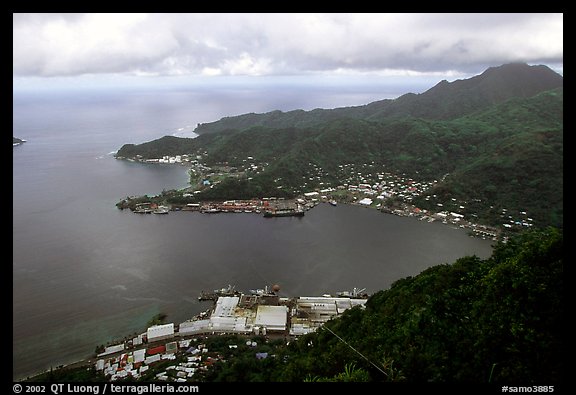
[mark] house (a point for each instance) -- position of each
(365, 202)
(139, 356)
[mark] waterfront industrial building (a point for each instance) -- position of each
(264, 314)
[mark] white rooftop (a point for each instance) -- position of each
(272, 317)
(225, 306)
(365, 201)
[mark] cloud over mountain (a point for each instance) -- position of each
(280, 44)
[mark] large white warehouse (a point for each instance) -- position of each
(159, 332)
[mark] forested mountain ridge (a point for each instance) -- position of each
(497, 157)
(446, 100)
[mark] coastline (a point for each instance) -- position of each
(326, 210)
(378, 189)
(301, 204)
(313, 201)
(191, 330)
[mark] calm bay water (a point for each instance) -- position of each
(85, 273)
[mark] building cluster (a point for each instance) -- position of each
(264, 314)
(167, 159)
(370, 181)
(519, 220)
(365, 184)
(310, 313)
(135, 363)
(269, 314)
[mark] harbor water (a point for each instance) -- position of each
(85, 273)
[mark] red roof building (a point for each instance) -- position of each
(156, 350)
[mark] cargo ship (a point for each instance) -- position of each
(284, 213)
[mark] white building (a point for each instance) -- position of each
(365, 202)
(112, 349)
(271, 318)
(139, 355)
(193, 327)
(100, 364)
(159, 332)
(137, 340)
(225, 306)
(312, 312)
(152, 359)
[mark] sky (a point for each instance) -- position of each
(51, 50)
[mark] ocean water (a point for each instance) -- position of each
(85, 273)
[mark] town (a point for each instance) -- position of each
(169, 352)
(367, 185)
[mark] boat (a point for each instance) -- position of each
(143, 208)
(283, 213)
(161, 210)
(143, 211)
(211, 211)
(356, 293)
(262, 292)
(333, 202)
(228, 291)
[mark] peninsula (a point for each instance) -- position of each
(486, 150)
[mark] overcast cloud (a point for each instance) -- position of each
(48, 45)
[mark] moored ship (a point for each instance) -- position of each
(228, 291)
(284, 213)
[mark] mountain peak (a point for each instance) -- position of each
(522, 71)
(495, 85)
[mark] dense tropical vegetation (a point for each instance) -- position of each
(497, 320)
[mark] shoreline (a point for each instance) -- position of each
(300, 204)
(183, 332)
(378, 189)
(406, 210)
(88, 359)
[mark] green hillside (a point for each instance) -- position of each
(498, 320)
(446, 100)
(491, 164)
